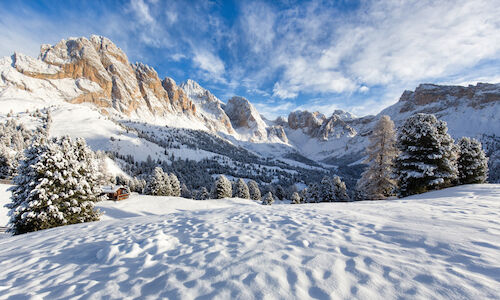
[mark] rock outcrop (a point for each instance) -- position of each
(209, 107)
(123, 88)
(246, 118)
(318, 126)
(426, 94)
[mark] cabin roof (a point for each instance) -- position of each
(112, 188)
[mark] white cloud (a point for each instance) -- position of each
(382, 43)
(208, 62)
(257, 23)
(141, 11)
(178, 57)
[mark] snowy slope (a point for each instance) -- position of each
(439, 245)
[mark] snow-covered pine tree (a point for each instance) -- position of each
(428, 156)
(303, 195)
(6, 162)
(340, 190)
(222, 188)
(313, 193)
(295, 198)
(327, 190)
(377, 181)
(55, 186)
(175, 185)
(472, 161)
(268, 199)
(157, 184)
(253, 189)
(280, 192)
(203, 194)
(242, 189)
(185, 192)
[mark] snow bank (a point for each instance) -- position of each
(442, 245)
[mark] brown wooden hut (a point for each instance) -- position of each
(116, 193)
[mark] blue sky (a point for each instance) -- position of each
(282, 55)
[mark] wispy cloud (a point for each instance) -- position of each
(209, 62)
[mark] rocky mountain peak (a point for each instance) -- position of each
(121, 87)
(209, 106)
(449, 95)
(243, 115)
(308, 121)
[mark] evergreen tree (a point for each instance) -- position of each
(303, 195)
(327, 190)
(242, 189)
(377, 181)
(428, 156)
(253, 189)
(296, 198)
(185, 192)
(268, 199)
(175, 185)
(313, 193)
(57, 184)
(472, 161)
(158, 184)
(203, 194)
(222, 188)
(6, 162)
(340, 190)
(280, 192)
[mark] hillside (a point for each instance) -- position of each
(442, 244)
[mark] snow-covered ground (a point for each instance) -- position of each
(439, 245)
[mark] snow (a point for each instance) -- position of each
(31, 65)
(443, 244)
(4, 198)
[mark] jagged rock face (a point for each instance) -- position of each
(243, 115)
(426, 94)
(335, 126)
(277, 131)
(309, 121)
(209, 106)
(129, 89)
(178, 98)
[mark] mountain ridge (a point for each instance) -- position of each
(94, 71)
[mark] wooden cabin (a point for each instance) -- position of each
(116, 193)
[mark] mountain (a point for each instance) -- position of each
(93, 91)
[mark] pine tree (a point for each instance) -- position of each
(296, 198)
(157, 183)
(6, 162)
(280, 192)
(428, 156)
(203, 194)
(222, 188)
(327, 190)
(57, 184)
(175, 185)
(185, 192)
(313, 193)
(242, 189)
(377, 181)
(268, 199)
(472, 161)
(303, 195)
(253, 189)
(340, 190)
